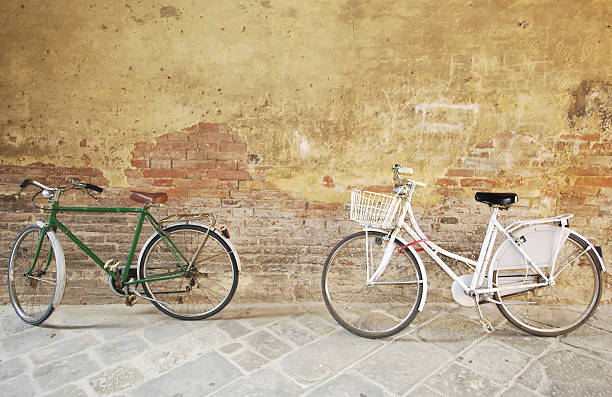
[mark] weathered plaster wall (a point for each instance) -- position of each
(317, 97)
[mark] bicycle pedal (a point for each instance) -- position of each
(112, 267)
(131, 300)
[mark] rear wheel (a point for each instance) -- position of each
(559, 308)
(371, 311)
(207, 286)
(32, 289)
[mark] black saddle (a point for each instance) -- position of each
(496, 198)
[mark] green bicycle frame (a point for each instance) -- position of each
(143, 212)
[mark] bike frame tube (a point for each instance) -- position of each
(480, 265)
(54, 224)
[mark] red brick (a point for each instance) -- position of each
(66, 171)
(180, 164)
(226, 156)
(197, 155)
(446, 182)
(604, 147)
(137, 154)
(460, 172)
(168, 154)
(589, 137)
(226, 165)
(485, 145)
(154, 173)
(177, 192)
(195, 183)
(205, 137)
(143, 146)
(478, 183)
(133, 173)
(176, 145)
(228, 175)
(162, 182)
(90, 172)
(236, 147)
(583, 171)
(161, 164)
(178, 136)
(605, 181)
(227, 184)
(209, 127)
(140, 163)
(324, 206)
(192, 173)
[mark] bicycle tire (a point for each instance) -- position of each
(32, 295)
(561, 308)
(202, 292)
(376, 311)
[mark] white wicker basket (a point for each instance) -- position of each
(374, 209)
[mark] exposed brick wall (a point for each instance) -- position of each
(283, 239)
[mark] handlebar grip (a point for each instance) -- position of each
(94, 187)
(404, 170)
(25, 183)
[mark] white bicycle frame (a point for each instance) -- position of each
(481, 265)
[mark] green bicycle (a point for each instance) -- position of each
(188, 269)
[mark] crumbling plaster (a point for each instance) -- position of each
(329, 94)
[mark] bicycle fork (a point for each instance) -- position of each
(385, 259)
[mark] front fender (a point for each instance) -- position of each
(419, 262)
(60, 264)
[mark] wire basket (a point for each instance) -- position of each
(374, 209)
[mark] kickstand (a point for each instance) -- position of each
(483, 321)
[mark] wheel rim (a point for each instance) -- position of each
(205, 289)
(376, 310)
(559, 308)
(32, 294)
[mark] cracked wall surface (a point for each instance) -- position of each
(311, 99)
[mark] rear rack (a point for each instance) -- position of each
(212, 219)
(560, 220)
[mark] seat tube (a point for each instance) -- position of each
(484, 250)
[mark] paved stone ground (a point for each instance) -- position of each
(294, 350)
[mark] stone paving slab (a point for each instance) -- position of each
(294, 350)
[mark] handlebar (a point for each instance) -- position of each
(49, 192)
(398, 171)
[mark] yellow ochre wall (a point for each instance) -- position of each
(317, 97)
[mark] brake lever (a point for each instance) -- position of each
(90, 195)
(18, 193)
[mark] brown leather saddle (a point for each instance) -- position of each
(148, 198)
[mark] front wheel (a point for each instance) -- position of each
(558, 308)
(206, 281)
(373, 311)
(33, 282)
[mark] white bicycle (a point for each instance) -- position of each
(545, 278)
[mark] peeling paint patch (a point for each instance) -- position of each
(591, 98)
(170, 12)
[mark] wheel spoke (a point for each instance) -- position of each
(563, 305)
(378, 310)
(207, 286)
